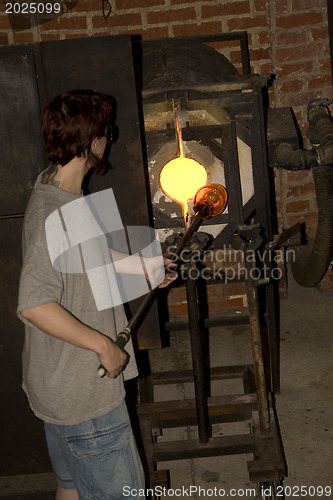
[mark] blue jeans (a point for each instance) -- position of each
(98, 458)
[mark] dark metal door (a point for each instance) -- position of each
(29, 76)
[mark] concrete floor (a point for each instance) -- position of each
(304, 404)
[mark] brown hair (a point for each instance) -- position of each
(71, 121)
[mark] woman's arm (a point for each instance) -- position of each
(152, 267)
(54, 320)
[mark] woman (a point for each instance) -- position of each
(88, 433)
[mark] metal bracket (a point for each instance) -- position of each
(196, 243)
(247, 237)
(282, 239)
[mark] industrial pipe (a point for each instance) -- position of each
(321, 134)
(320, 160)
(313, 271)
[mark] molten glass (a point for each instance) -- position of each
(212, 196)
(181, 177)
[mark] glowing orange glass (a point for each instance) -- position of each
(213, 196)
(181, 177)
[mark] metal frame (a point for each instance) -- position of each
(240, 36)
(244, 109)
(255, 405)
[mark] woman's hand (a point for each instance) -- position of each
(170, 274)
(113, 359)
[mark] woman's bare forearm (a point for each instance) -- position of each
(55, 320)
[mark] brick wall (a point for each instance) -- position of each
(288, 38)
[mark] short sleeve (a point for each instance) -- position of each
(39, 282)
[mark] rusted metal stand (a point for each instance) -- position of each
(255, 405)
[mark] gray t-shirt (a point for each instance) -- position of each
(61, 379)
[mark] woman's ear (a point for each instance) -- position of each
(94, 144)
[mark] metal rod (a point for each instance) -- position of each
(197, 358)
(11, 216)
(124, 336)
(258, 362)
(179, 248)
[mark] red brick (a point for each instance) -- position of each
(295, 68)
(311, 230)
(324, 66)
(170, 16)
(260, 54)
(66, 22)
(297, 206)
(69, 35)
(293, 20)
(197, 29)
(247, 22)
(320, 33)
(302, 120)
(260, 5)
(320, 81)
(178, 309)
(23, 37)
(294, 100)
(3, 39)
(263, 37)
(130, 19)
(267, 69)
(293, 85)
(225, 9)
(302, 5)
(303, 190)
(293, 37)
(138, 4)
(311, 51)
(233, 303)
(236, 58)
(158, 32)
(283, 289)
(299, 176)
(49, 37)
(213, 291)
(281, 6)
(5, 23)
(232, 289)
(299, 116)
(310, 219)
(85, 6)
(177, 295)
(224, 45)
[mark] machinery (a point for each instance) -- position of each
(196, 105)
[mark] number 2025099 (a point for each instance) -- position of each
(33, 8)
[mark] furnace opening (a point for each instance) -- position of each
(181, 177)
